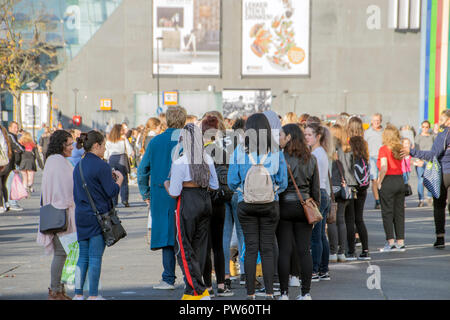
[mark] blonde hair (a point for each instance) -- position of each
(341, 137)
(290, 117)
(25, 138)
(391, 138)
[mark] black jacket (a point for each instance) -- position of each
(307, 178)
(17, 149)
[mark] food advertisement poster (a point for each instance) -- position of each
(275, 37)
(189, 33)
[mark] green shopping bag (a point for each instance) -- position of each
(70, 245)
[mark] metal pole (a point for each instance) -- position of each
(34, 114)
(157, 74)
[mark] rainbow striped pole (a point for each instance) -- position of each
(435, 64)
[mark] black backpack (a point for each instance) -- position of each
(224, 193)
(361, 170)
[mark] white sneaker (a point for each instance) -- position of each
(333, 258)
(305, 297)
(78, 298)
(164, 286)
(284, 297)
(2, 210)
(341, 258)
(294, 281)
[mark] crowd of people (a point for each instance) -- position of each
(206, 179)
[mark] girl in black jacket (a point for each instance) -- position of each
(293, 224)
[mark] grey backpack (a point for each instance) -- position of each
(258, 185)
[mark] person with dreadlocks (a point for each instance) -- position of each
(192, 176)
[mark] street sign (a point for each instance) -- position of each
(170, 98)
(106, 104)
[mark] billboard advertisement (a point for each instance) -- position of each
(190, 37)
(275, 37)
(243, 103)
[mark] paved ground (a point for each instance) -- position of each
(129, 269)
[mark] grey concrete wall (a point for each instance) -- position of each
(379, 68)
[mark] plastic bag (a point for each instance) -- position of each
(70, 245)
(18, 191)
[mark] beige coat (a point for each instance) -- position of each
(57, 190)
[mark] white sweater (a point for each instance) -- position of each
(113, 148)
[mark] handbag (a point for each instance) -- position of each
(128, 161)
(331, 217)
(112, 229)
(52, 220)
(408, 190)
(18, 191)
(343, 191)
(310, 208)
(432, 177)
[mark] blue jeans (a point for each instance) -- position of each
(231, 218)
(169, 261)
(406, 177)
(319, 242)
(90, 258)
(420, 187)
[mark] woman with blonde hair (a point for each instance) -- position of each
(355, 127)
(118, 152)
(151, 130)
(392, 189)
(28, 162)
(289, 118)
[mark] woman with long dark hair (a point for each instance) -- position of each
(103, 187)
(293, 224)
(57, 190)
(258, 220)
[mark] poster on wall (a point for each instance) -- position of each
(189, 32)
(275, 37)
(37, 115)
(243, 103)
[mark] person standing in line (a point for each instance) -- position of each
(258, 221)
(152, 172)
(118, 153)
(354, 213)
(210, 129)
(424, 142)
(190, 177)
(5, 146)
(44, 140)
(373, 136)
(103, 187)
(337, 232)
(440, 151)
(231, 216)
(57, 190)
(319, 139)
(78, 150)
(293, 224)
(392, 189)
(18, 150)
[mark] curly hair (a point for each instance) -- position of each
(57, 142)
(391, 138)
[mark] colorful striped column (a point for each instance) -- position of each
(435, 85)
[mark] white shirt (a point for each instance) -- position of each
(322, 164)
(115, 148)
(180, 173)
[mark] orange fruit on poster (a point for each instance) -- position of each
(296, 55)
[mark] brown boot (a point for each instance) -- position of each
(63, 293)
(52, 295)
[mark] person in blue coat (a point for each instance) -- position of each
(153, 170)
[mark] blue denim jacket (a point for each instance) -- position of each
(240, 164)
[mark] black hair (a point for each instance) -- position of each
(260, 125)
(57, 142)
(238, 124)
(297, 146)
(87, 140)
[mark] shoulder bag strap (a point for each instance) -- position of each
(87, 190)
(295, 185)
(331, 188)
(341, 171)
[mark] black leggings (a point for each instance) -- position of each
(293, 226)
(215, 242)
(354, 216)
(3, 189)
(440, 204)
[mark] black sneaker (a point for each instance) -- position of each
(440, 243)
(315, 277)
(227, 284)
(224, 292)
(262, 292)
(211, 293)
(324, 276)
(364, 256)
(242, 279)
(270, 297)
